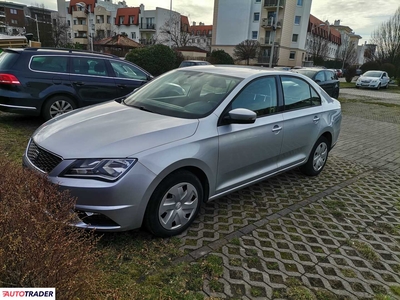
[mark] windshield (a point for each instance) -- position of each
(183, 94)
(372, 74)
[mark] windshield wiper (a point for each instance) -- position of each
(141, 108)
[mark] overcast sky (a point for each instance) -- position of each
(363, 16)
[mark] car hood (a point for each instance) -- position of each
(110, 130)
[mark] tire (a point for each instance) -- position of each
(317, 159)
(387, 86)
(56, 106)
(174, 204)
(378, 87)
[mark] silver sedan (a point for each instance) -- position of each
(187, 137)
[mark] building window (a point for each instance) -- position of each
(108, 19)
(121, 20)
(69, 23)
(14, 21)
(292, 54)
(254, 35)
(131, 19)
(295, 37)
(300, 2)
(133, 34)
(256, 16)
(13, 11)
(258, 1)
(297, 20)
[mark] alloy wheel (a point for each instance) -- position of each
(320, 156)
(60, 107)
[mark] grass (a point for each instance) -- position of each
(364, 250)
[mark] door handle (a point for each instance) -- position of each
(121, 86)
(276, 128)
(316, 119)
(79, 83)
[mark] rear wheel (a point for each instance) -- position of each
(318, 157)
(57, 105)
(174, 204)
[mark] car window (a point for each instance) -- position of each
(298, 93)
(259, 96)
(330, 75)
(124, 70)
(56, 64)
(89, 66)
(320, 76)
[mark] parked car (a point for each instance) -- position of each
(374, 80)
(189, 136)
(49, 82)
(339, 73)
(325, 78)
(190, 63)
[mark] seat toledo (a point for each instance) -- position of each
(189, 136)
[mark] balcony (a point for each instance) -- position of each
(147, 27)
(265, 41)
(81, 40)
(273, 4)
(267, 24)
(79, 14)
(146, 41)
(103, 26)
(2, 14)
(80, 28)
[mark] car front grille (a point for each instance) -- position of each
(42, 159)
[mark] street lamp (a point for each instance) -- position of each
(37, 25)
(170, 22)
(84, 6)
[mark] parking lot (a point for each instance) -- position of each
(336, 236)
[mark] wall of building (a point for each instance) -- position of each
(233, 21)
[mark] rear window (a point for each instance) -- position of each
(7, 59)
(54, 64)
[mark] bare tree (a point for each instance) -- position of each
(172, 31)
(246, 50)
(387, 40)
(347, 52)
(318, 48)
(60, 32)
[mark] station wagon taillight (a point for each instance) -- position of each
(8, 79)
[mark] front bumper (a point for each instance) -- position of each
(371, 85)
(106, 206)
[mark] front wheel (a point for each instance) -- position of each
(317, 159)
(174, 204)
(378, 87)
(57, 105)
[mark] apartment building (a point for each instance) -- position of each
(12, 18)
(323, 41)
(280, 26)
(201, 35)
(94, 20)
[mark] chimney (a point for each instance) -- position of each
(194, 23)
(337, 23)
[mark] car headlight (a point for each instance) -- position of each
(107, 169)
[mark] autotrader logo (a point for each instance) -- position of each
(30, 293)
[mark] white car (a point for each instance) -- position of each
(373, 79)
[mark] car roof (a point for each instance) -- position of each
(235, 71)
(43, 50)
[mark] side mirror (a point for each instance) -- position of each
(317, 80)
(240, 116)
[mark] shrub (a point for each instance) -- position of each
(398, 76)
(350, 73)
(156, 59)
(371, 65)
(178, 58)
(37, 246)
(389, 68)
(221, 57)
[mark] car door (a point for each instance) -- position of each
(301, 115)
(385, 79)
(250, 151)
(320, 78)
(91, 80)
(127, 77)
(331, 83)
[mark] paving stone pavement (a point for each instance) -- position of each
(336, 236)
